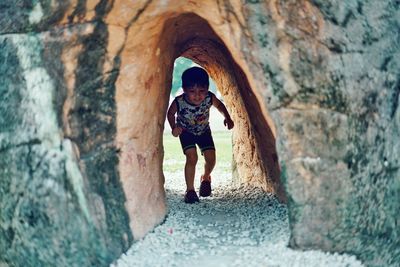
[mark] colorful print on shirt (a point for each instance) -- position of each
(194, 119)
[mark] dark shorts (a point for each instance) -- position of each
(189, 140)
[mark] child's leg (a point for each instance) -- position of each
(209, 157)
(190, 167)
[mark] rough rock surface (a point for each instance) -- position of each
(332, 70)
(313, 87)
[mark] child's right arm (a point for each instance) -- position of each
(176, 130)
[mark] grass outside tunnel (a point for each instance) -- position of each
(174, 159)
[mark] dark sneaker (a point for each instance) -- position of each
(205, 188)
(191, 197)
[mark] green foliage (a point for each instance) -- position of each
(180, 65)
(174, 159)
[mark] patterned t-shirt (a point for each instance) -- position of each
(193, 118)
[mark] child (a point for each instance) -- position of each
(192, 127)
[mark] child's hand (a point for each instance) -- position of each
(228, 123)
(176, 131)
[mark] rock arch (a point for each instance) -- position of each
(191, 36)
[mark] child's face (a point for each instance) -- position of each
(196, 94)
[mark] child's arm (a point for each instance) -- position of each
(176, 130)
(221, 108)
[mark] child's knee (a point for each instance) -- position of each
(209, 156)
(191, 158)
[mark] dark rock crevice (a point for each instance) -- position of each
(396, 99)
(27, 143)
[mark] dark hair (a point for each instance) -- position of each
(194, 76)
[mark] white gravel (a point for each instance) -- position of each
(236, 226)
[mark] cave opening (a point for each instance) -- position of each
(254, 156)
(143, 89)
(174, 159)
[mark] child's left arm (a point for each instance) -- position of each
(228, 122)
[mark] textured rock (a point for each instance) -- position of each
(61, 198)
(313, 88)
(332, 73)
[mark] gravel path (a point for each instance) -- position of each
(236, 226)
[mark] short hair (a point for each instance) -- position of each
(195, 76)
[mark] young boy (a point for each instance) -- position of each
(192, 127)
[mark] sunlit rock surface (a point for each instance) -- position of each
(313, 88)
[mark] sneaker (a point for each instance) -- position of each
(191, 197)
(205, 188)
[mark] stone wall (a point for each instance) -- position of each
(61, 200)
(313, 85)
(332, 79)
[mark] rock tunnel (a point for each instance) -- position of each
(314, 100)
(189, 35)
